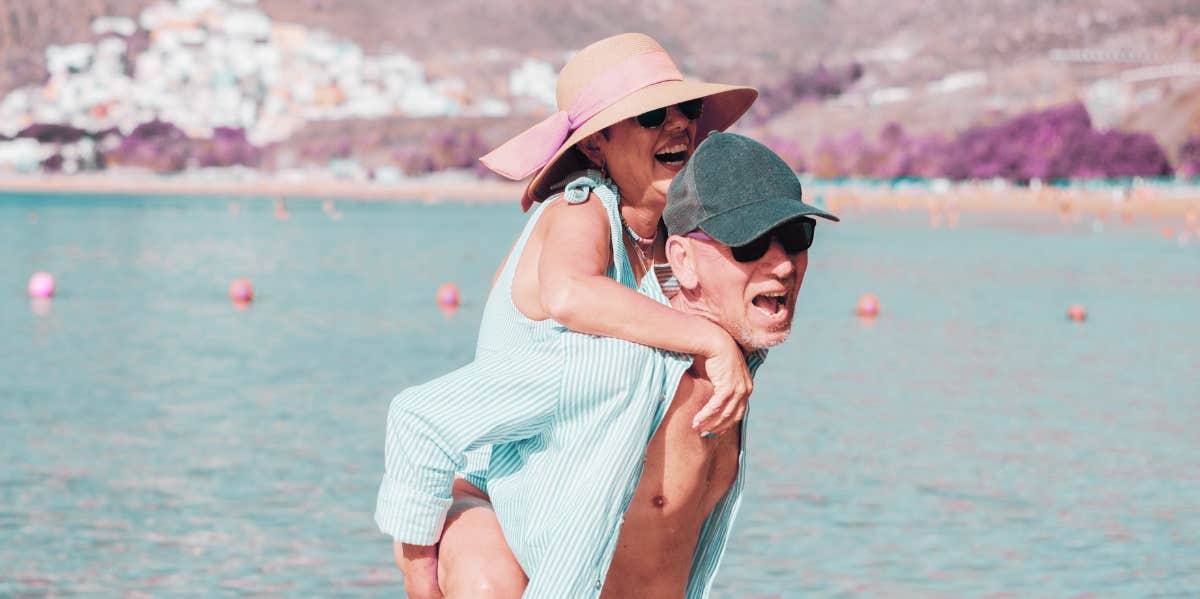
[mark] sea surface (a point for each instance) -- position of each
(971, 441)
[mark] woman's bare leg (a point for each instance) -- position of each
(474, 560)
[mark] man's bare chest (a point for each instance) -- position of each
(683, 479)
(685, 475)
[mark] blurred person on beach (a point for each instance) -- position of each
(546, 416)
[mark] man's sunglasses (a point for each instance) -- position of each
(690, 109)
(795, 236)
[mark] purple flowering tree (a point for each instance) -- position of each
(1056, 143)
(456, 147)
(165, 148)
(1189, 157)
(818, 83)
(228, 147)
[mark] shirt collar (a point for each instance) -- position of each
(755, 359)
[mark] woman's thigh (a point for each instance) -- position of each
(473, 558)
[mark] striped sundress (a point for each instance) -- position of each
(553, 424)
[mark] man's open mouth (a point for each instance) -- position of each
(672, 155)
(771, 304)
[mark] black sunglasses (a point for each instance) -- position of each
(690, 109)
(795, 236)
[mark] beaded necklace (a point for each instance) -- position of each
(641, 245)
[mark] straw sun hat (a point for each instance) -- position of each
(613, 79)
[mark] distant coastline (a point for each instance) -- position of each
(963, 197)
(431, 190)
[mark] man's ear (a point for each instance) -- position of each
(683, 261)
(590, 146)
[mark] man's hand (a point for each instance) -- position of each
(419, 564)
(726, 369)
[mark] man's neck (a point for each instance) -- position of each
(683, 304)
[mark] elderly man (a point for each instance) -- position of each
(739, 235)
(738, 250)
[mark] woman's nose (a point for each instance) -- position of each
(675, 119)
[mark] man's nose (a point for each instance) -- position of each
(778, 261)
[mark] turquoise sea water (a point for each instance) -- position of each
(970, 442)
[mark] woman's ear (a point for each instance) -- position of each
(682, 261)
(590, 146)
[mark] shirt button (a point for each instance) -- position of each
(598, 584)
(662, 397)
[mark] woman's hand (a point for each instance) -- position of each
(419, 564)
(726, 369)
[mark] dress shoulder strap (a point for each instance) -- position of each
(576, 191)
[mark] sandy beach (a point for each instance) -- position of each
(1170, 203)
(982, 197)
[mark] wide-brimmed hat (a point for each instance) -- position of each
(613, 79)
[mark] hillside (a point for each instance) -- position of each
(936, 67)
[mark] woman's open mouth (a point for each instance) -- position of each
(673, 156)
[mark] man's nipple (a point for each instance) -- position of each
(659, 501)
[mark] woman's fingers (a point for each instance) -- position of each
(704, 418)
(727, 417)
(719, 415)
(723, 410)
(731, 389)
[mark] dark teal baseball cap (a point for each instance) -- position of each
(736, 190)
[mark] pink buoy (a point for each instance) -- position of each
(868, 306)
(447, 295)
(41, 285)
(241, 291)
(1077, 313)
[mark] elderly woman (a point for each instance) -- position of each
(536, 421)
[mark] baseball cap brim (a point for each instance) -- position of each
(741, 225)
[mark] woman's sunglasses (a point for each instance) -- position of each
(690, 109)
(795, 236)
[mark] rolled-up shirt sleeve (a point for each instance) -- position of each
(431, 427)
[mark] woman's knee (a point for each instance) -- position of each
(484, 571)
(489, 583)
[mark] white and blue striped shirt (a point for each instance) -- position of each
(554, 425)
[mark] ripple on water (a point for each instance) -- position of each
(969, 442)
